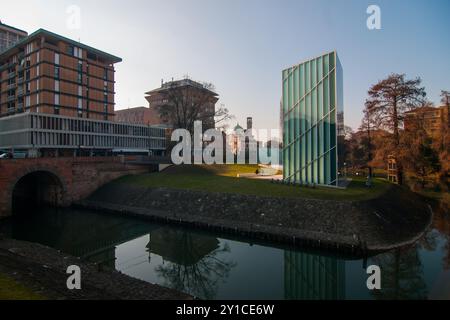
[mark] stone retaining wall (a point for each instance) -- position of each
(395, 219)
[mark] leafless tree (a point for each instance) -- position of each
(186, 104)
(388, 102)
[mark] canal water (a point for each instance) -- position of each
(211, 266)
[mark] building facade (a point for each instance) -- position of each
(431, 119)
(183, 92)
(48, 73)
(46, 135)
(312, 111)
(138, 115)
(10, 36)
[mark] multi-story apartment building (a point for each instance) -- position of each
(186, 92)
(57, 99)
(48, 73)
(312, 116)
(9, 36)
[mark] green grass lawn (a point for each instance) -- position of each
(11, 290)
(223, 178)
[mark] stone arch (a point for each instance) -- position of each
(37, 186)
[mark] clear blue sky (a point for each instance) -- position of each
(242, 45)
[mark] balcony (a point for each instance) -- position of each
(11, 98)
(20, 80)
(11, 86)
(20, 91)
(11, 75)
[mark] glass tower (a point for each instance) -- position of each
(312, 112)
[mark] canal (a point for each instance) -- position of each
(211, 266)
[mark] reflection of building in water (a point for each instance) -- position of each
(313, 277)
(180, 247)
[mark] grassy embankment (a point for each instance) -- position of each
(223, 178)
(11, 290)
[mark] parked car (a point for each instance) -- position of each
(5, 155)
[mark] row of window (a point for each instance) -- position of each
(49, 139)
(77, 125)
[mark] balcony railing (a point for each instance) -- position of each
(11, 75)
(11, 98)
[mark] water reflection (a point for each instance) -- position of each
(402, 275)
(212, 267)
(194, 263)
(313, 277)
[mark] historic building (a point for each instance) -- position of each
(312, 110)
(183, 92)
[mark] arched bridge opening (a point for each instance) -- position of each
(36, 190)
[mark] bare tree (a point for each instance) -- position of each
(186, 104)
(445, 95)
(388, 102)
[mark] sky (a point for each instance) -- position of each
(241, 46)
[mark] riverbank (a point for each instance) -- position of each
(393, 219)
(34, 271)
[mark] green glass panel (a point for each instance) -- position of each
(307, 78)
(313, 74)
(333, 129)
(321, 171)
(285, 96)
(316, 175)
(332, 90)
(326, 94)
(297, 120)
(302, 81)
(292, 160)
(314, 107)
(308, 112)
(296, 86)
(315, 142)
(290, 95)
(302, 116)
(327, 168)
(325, 66)
(327, 133)
(320, 101)
(320, 68)
(321, 137)
(332, 62)
(303, 152)
(308, 146)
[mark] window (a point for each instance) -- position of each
(56, 58)
(57, 85)
(80, 91)
(57, 72)
(56, 99)
(70, 50)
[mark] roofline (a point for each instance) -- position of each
(310, 59)
(190, 85)
(13, 28)
(44, 32)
